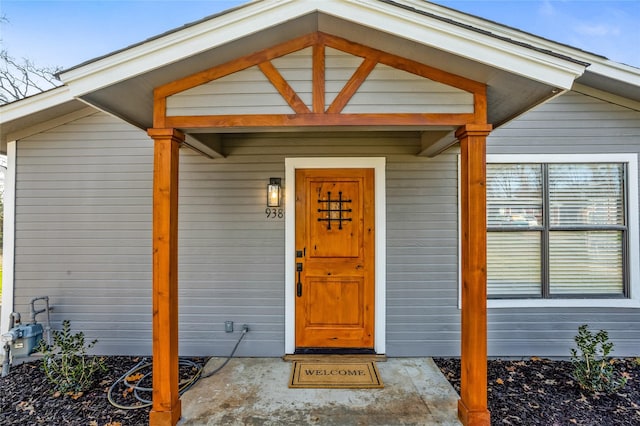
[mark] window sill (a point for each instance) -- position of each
(563, 303)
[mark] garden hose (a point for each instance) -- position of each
(133, 386)
(135, 389)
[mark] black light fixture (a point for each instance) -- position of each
(274, 192)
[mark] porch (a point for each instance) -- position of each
(254, 391)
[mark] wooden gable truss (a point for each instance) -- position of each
(318, 114)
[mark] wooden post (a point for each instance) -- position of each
(472, 406)
(166, 400)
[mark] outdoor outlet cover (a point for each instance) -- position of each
(228, 326)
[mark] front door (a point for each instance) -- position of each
(335, 235)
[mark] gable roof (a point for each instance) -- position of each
(519, 69)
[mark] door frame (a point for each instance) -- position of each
(379, 165)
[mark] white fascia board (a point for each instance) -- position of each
(182, 44)
(470, 44)
(36, 103)
(598, 64)
(615, 71)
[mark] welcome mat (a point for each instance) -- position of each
(335, 375)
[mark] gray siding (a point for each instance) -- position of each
(386, 89)
(83, 229)
(573, 123)
(83, 235)
(231, 256)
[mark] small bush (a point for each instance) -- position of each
(591, 368)
(66, 363)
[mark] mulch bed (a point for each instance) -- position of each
(27, 397)
(531, 392)
(543, 392)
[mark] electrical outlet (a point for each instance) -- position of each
(228, 326)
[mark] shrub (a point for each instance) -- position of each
(66, 363)
(591, 368)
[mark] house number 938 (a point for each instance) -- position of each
(274, 213)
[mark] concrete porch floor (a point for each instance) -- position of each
(254, 391)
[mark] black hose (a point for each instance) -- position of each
(228, 358)
(136, 389)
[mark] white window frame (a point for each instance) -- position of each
(631, 161)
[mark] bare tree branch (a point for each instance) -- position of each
(22, 78)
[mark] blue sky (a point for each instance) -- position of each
(68, 32)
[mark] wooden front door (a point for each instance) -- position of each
(335, 235)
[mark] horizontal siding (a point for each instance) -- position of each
(296, 68)
(83, 230)
(386, 89)
(84, 233)
(572, 123)
(231, 262)
(339, 67)
(243, 92)
(568, 124)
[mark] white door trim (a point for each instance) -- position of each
(376, 163)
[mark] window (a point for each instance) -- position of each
(559, 229)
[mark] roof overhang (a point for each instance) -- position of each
(518, 75)
(39, 113)
(520, 70)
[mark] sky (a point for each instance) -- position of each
(65, 33)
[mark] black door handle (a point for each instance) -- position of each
(299, 285)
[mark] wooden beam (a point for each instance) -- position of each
(480, 106)
(166, 399)
(159, 110)
(404, 64)
(312, 119)
(318, 41)
(352, 86)
(281, 85)
(472, 406)
(319, 85)
(236, 65)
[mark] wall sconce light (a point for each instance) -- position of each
(274, 192)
